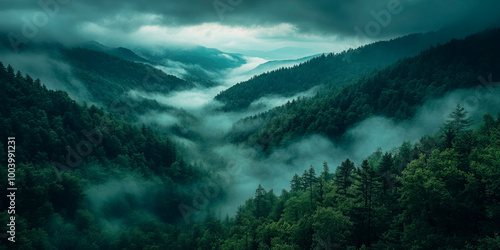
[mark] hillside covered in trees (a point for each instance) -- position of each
(252, 125)
(328, 71)
(107, 77)
(395, 91)
(125, 191)
(83, 174)
(439, 193)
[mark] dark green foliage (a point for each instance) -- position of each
(50, 128)
(330, 70)
(295, 183)
(108, 77)
(438, 204)
(344, 176)
(418, 196)
(396, 92)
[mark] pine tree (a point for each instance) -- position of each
(309, 180)
(295, 183)
(458, 122)
(367, 187)
(385, 171)
(259, 196)
(326, 172)
(344, 175)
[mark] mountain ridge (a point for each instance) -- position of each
(327, 70)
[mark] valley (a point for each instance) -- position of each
(282, 137)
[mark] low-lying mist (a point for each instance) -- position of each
(204, 138)
(248, 167)
(52, 72)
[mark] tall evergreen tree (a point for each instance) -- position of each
(326, 172)
(344, 176)
(368, 187)
(458, 122)
(295, 183)
(259, 197)
(385, 171)
(311, 179)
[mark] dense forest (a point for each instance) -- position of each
(108, 77)
(395, 91)
(93, 177)
(65, 150)
(439, 193)
(192, 75)
(330, 70)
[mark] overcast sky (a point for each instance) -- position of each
(234, 25)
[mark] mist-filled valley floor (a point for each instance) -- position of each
(135, 133)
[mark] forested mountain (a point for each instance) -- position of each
(439, 193)
(193, 73)
(250, 125)
(120, 52)
(395, 91)
(107, 77)
(280, 54)
(326, 70)
(198, 61)
(82, 172)
(93, 182)
(275, 64)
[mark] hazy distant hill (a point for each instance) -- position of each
(108, 76)
(285, 53)
(198, 61)
(104, 77)
(120, 52)
(275, 64)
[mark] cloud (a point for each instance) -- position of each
(268, 102)
(256, 24)
(240, 74)
(173, 68)
(162, 119)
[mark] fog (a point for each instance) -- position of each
(112, 202)
(53, 73)
(268, 102)
(243, 72)
(226, 78)
(248, 167)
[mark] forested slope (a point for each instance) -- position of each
(329, 70)
(64, 150)
(107, 77)
(106, 74)
(439, 193)
(395, 91)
